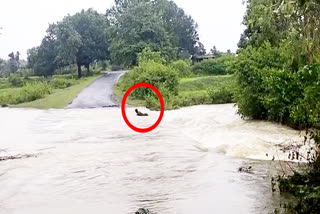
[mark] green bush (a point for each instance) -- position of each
(228, 61)
(156, 74)
(183, 68)
(209, 67)
(269, 89)
(221, 95)
(4, 83)
(28, 93)
(304, 186)
(69, 70)
(15, 80)
(170, 100)
(253, 66)
(194, 99)
(26, 72)
(61, 83)
(282, 90)
(34, 91)
(306, 109)
(148, 55)
(64, 76)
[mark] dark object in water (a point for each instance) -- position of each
(5, 158)
(4, 106)
(141, 114)
(142, 211)
(245, 169)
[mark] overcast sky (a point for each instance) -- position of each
(24, 22)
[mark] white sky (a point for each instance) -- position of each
(24, 22)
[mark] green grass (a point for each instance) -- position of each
(205, 82)
(4, 83)
(60, 98)
(192, 93)
(2, 91)
(199, 86)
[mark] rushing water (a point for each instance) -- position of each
(89, 161)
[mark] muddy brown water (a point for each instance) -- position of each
(89, 161)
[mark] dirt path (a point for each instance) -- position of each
(99, 93)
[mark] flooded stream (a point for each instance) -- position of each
(89, 161)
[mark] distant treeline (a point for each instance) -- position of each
(118, 36)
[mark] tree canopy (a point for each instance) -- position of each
(14, 60)
(294, 23)
(43, 58)
(160, 25)
(81, 39)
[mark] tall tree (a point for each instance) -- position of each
(183, 28)
(3, 67)
(14, 62)
(135, 26)
(83, 38)
(160, 25)
(43, 58)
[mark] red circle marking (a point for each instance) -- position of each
(123, 106)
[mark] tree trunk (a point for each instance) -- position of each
(79, 70)
(88, 69)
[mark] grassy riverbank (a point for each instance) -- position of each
(57, 92)
(191, 91)
(206, 90)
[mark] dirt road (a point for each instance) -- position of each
(99, 93)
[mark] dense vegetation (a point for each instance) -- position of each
(179, 83)
(279, 78)
(222, 64)
(278, 74)
(156, 38)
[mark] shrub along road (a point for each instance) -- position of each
(99, 93)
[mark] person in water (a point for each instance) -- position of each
(140, 113)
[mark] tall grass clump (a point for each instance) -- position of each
(209, 67)
(154, 73)
(182, 67)
(219, 66)
(27, 93)
(151, 69)
(61, 83)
